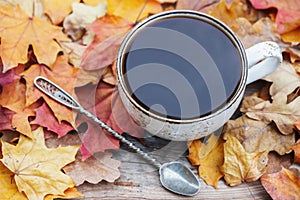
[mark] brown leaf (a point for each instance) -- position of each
(284, 115)
(284, 80)
(15, 40)
(276, 162)
(240, 166)
(282, 185)
(257, 136)
(196, 4)
(94, 169)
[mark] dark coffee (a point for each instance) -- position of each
(182, 67)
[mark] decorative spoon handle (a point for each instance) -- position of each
(61, 96)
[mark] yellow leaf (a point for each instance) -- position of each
(37, 169)
(240, 166)
(18, 31)
(292, 36)
(130, 9)
(8, 185)
(210, 157)
(57, 10)
(93, 2)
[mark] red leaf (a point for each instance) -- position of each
(288, 16)
(282, 185)
(45, 118)
(110, 31)
(104, 100)
(6, 116)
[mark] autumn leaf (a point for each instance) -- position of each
(276, 162)
(94, 169)
(13, 98)
(57, 10)
(229, 12)
(284, 115)
(296, 149)
(210, 162)
(93, 2)
(109, 33)
(82, 15)
(282, 185)
(6, 116)
(133, 10)
(195, 4)
(37, 169)
(257, 136)
(18, 31)
(63, 74)
(105, 103)
(240, 166)
(8, 185)
(284, 79)
(45, 118)
(288, 15)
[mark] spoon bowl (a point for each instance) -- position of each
(179, 179)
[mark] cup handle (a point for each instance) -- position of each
(263, 58)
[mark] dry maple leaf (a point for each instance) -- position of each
(57, 10)
(104, 101)
(276, 162)
(240, 166)
(13, 98)
(133, 10)
(18, 31)
(45, 118)
(109, 33)
(284, 79)
(196, 4)
(282, 185)
(94, 169)
(37, 169)
(288, 15)
(211, 162)
(257, 136)
(284, 115)
(62, 74)
(6, 116)
(8, 185)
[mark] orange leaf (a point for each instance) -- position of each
(63, 74)
(210, 157)
(57, 10)
(296, 149)
(13, 98)
(292, 36)
(93, 2)
(18, 31)
(282, 185)
(130, 9)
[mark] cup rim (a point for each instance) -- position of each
(206, 18)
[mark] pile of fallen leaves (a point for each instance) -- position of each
(47, 149)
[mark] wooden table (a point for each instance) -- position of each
(140, 180)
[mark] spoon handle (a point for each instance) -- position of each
(58, 94)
